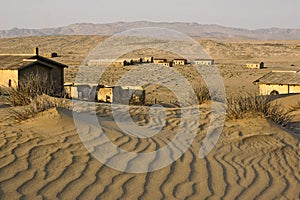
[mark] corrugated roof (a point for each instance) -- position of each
(14, 62)
(281, 77)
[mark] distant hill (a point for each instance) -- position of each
(191, 29)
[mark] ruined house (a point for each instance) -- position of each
(87, 92)
(16, 68)
(279, 82)
(121, 94)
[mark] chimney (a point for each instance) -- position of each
(36, 51)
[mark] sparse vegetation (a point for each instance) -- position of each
(243, 106)
(202, 93)
(31, 87)
(31, 97)
(39, 104)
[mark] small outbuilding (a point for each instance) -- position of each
(279, 82)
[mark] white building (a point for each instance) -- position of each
(204, 62)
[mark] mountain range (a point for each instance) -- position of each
(191, 29)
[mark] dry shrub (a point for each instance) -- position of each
(202, 93)
(243, 106)
(31, 96)
(39, 104)
(29, 88)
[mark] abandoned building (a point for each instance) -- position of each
(121, 94)
(107, 94)
(85, 92)
(260, 65)
(279, 82)
(16, 68)
(179, 62)
(165, 64)
(204, 62)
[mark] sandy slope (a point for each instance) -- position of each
(44, 158)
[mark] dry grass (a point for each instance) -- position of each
(243, 106)
(202, 93)
(31, 97)
(39, 104)
(31, 87)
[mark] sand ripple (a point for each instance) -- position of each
(248, 162)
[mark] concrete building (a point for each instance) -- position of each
(80, 91)
(121, 94)
(179, 62)
(204, 62)
(279, 82)
(260, 65)
(17, 68)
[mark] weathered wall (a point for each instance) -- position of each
(295, 89)
(105, 95)
(6, 75)
(54, 75)
(71, 91)
(39, 72)
(265, 89)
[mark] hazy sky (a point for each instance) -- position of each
(250, 14)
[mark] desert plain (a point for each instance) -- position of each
(254, 158)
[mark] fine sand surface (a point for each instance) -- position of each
(44, 158)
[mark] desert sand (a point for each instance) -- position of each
(44, 157)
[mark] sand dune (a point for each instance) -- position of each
(44, 158)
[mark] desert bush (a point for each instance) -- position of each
(32, 96)
(29, 88)
(202, 93)
(39, 104)
(243, 106)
